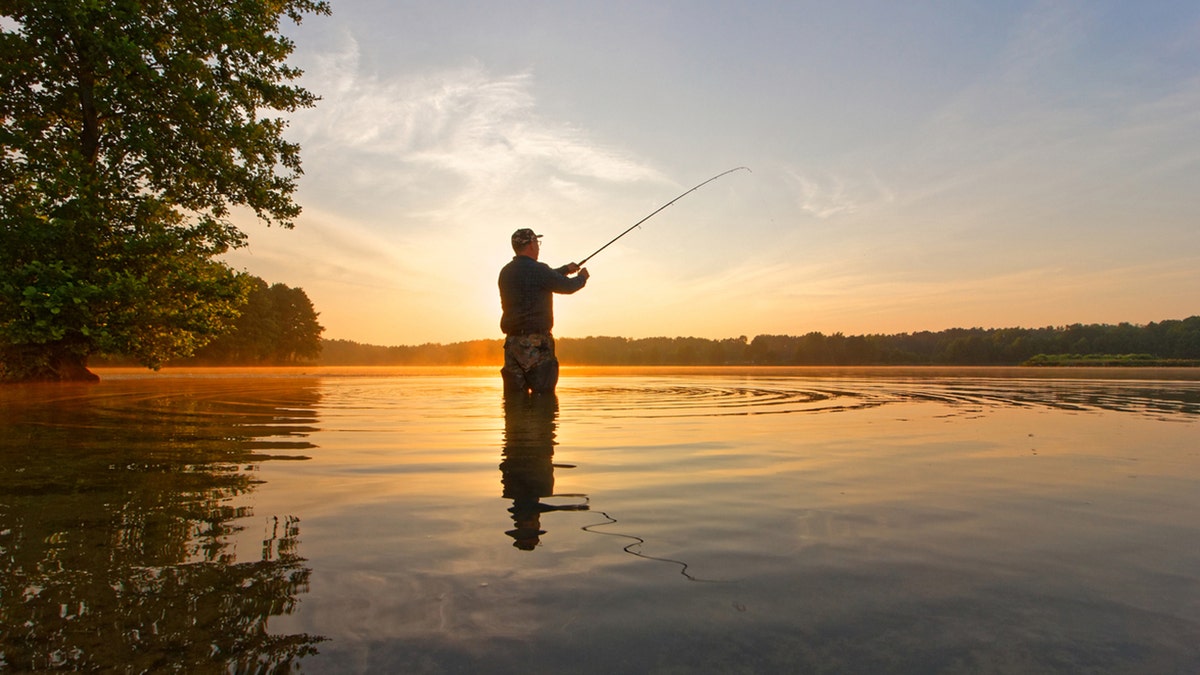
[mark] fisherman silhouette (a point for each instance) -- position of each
(527, 466)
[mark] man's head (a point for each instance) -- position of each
(525, 242)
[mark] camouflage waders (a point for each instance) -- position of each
(530, 364)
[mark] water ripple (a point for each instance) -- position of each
(691, 398)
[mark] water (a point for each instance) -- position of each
(753, 521)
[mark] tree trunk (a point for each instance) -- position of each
(44, 363)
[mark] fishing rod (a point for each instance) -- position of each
(581, 262)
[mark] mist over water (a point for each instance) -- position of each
(647, 521)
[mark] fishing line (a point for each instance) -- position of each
(638, 541)
(632, 227)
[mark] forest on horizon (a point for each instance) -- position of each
(1169, 342)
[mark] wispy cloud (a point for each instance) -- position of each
(828, 195)
(463, 124)
(1037, 169)
(327, 247)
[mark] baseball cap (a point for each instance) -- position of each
(523, 236)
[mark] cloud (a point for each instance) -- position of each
(1041, 176)
(830, 194)
(447, 134)
(326, 248)
(414, 179)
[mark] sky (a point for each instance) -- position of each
(913, 165)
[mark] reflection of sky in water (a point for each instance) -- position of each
(767, 395)
(694, 521)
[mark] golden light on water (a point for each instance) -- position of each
(416, 513)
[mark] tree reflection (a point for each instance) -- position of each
(527, 466)
(118, 509)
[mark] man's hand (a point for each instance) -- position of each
(583, 273)
(572, 268)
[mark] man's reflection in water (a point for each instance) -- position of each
(527, 468)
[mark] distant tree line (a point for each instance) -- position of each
(350, 353)
(1166, 340)
(276, 325)
(1172, 341)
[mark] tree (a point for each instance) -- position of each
(277, 325)
(129, 130)
(299, 333)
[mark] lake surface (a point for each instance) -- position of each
(654, 521)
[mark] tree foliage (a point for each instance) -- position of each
(277, 325)
(129, 130)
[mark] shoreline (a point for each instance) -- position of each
(1007, 372)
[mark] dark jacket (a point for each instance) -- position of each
(526, 295)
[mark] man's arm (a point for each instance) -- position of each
(559, 282)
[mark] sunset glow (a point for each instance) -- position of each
(915, 166)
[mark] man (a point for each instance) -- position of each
(526, 297)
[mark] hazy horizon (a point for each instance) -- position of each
(751, 336)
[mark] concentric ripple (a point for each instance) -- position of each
(182, 414)
(764, 396)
